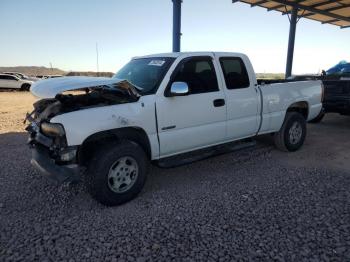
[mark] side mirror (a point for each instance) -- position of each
(179, 89)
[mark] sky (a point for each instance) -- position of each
(65, 33)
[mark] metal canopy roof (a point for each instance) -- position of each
(325, 11)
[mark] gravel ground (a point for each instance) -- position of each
(253, 205)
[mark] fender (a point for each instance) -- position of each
(93, 142)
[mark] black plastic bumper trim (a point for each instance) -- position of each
(47, 167)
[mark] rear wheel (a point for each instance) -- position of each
(292, 134)
(117, 173)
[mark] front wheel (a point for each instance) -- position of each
(292, 134)
(117, 173)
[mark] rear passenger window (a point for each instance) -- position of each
(7, 77)
(235, 72)
(199, 74)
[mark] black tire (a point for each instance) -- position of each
(25, 87)
(100, 183)
(319, 117)
(292, 134)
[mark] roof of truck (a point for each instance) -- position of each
(199, 53)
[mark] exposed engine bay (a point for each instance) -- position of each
(120, 93)
(49, 138)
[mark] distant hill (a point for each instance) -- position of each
(41, 70)
(33, 70)
(270, 75)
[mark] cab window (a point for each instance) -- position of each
(7, 77)
(235, 72)
(11, 78)
(198, 73)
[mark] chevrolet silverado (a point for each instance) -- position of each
(156, 108)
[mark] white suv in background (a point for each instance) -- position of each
(11, 81)
(21, 76)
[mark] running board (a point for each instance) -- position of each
(186, 158)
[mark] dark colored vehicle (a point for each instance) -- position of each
(336, 98)
(336, 82)
(341, 69)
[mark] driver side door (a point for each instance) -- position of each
(12, 82)
(196, 120)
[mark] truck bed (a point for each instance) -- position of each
(277, 96)
(275, 81)
(336, 96)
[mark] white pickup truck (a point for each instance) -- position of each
(155, 108)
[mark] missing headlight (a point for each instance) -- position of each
(52, 129)
(68, 154)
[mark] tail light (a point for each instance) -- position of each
(322, 92)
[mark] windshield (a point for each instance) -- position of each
(338, 69)
(145, 73)
(346, 69)
(20, 76)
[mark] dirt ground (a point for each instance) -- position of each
(13, 107)
(255, 205)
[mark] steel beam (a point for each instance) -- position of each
(324, 3)
(312, 9)
(330, 21)
(259, 3)
(176, 25)
(336, 8)
(314, 5)
(291, 41)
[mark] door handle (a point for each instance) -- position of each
(219, 102)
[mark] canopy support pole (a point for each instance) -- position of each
(176, 25)
(291, 41)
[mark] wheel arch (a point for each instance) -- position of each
(95, 141)
(301, 107)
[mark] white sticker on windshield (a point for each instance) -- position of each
(156, 62)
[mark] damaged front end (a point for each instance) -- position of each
(50, 153)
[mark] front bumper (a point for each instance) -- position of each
(47, 167)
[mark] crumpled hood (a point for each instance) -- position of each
(49, 88)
